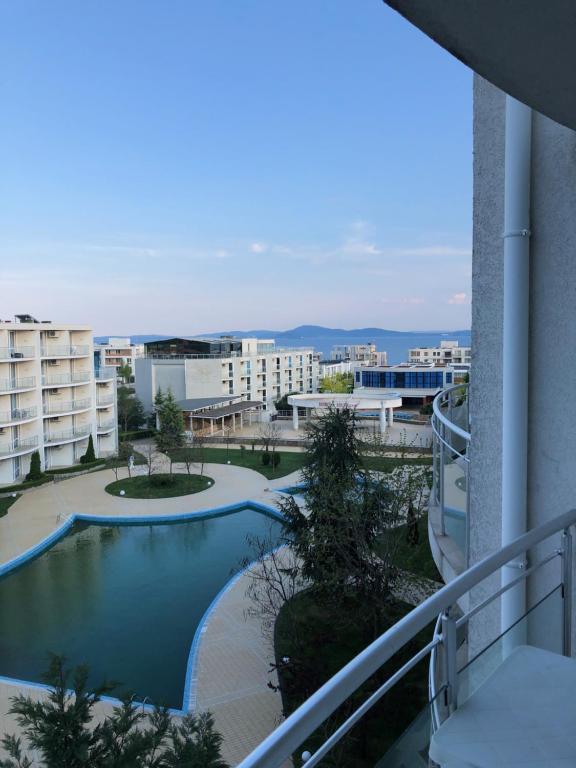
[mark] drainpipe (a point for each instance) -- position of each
(515, 351)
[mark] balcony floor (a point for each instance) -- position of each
(522, 716)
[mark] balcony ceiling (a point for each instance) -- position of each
(527, 49)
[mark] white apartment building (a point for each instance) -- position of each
(449, 352)
(361, 354)
(253, 369)
(118, 351)
(51, 400)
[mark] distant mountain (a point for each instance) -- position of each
(302, 332)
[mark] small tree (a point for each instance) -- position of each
(113, 463)
(200, 450)
(170, 433)
(186, 453)
(125, 372)
(338, 383)
(89, 457)
(61, 728)
(35, 471)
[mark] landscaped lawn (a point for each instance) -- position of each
(318, 644)
(290, 461)
(6, 503)
(160, 486)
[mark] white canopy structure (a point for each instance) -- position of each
(385, 403)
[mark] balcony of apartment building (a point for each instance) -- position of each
(106, 425)
(65, 451)
(105, 373)
(17, 383)
(106, 443)
(16, 415)
(60, 431)
(17, 353)
(11, 446)
(58, 405)
(52, 350)
(448, 515)
(63, 373)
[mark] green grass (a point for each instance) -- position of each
(319, 643)
(290, 461)
(416, 558)
(6, 503)
(160, 486)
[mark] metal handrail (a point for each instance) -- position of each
(292, 733)
(27, 382)
(18, 414)
(68, 434)
(441, 399)
(16, 353)
(51, 408)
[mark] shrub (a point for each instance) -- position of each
(266, 459)
(161, 481)
(276, 459)
(89, 456)
(35, 472)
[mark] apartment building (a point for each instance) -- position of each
(448, 352)
(253, 369)
(51, 399)
(116, 352)
(362, 354)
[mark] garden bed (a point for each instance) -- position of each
(160, 486)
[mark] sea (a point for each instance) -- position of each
(396, 345)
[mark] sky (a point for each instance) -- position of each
(178, 166)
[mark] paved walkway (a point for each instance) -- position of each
(234, 657)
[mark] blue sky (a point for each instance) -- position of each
(187, 166)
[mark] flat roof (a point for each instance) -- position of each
(197, 403)
(227, 410)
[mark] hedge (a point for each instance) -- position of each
(75, 468)
(136, 434)
(27, 484)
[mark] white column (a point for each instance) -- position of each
(295, 417)
(390, 417)
(382, 419)
(211, 426)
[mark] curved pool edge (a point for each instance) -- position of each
(191, 678)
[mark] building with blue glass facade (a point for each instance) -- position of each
(414, 383)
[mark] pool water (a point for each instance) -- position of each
(124, 599)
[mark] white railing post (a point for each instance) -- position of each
(567, 591)
(450, 647)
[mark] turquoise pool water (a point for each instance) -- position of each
(124, 599)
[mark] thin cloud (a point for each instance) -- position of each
(258, 247)
(458, 298)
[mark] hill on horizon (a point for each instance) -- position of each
(301, 331)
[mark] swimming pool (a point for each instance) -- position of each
(126, 599)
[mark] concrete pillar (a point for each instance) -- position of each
(382, 419)
(295, 417)
(233, 422)
(390, 417)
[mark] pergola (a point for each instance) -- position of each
(216, 414)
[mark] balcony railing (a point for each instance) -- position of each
(18, 414)
(66, 406)
(16, 353)
(8, 385)
(56, 379)
(20, 445)
(451, 462)
(67, 434)
(106, 374)
(107, 426)
(66, 350)
(448, 729)
(105, 400)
